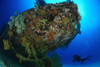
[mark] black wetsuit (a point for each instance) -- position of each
(79, 59)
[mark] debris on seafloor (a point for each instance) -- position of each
(42, 29)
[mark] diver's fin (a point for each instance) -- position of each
(87, 57)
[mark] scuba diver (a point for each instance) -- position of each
(79, 59)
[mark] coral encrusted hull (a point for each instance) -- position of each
(42, 29)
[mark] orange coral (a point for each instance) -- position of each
(53, 11)
(41, 37)
(52, 33)
(55, 24)
(51, 37)
(31, 24)
(41, 31)
(30, 31)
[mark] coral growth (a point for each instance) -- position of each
(18, 22)
(7, 45)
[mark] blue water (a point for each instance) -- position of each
(88, 43)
